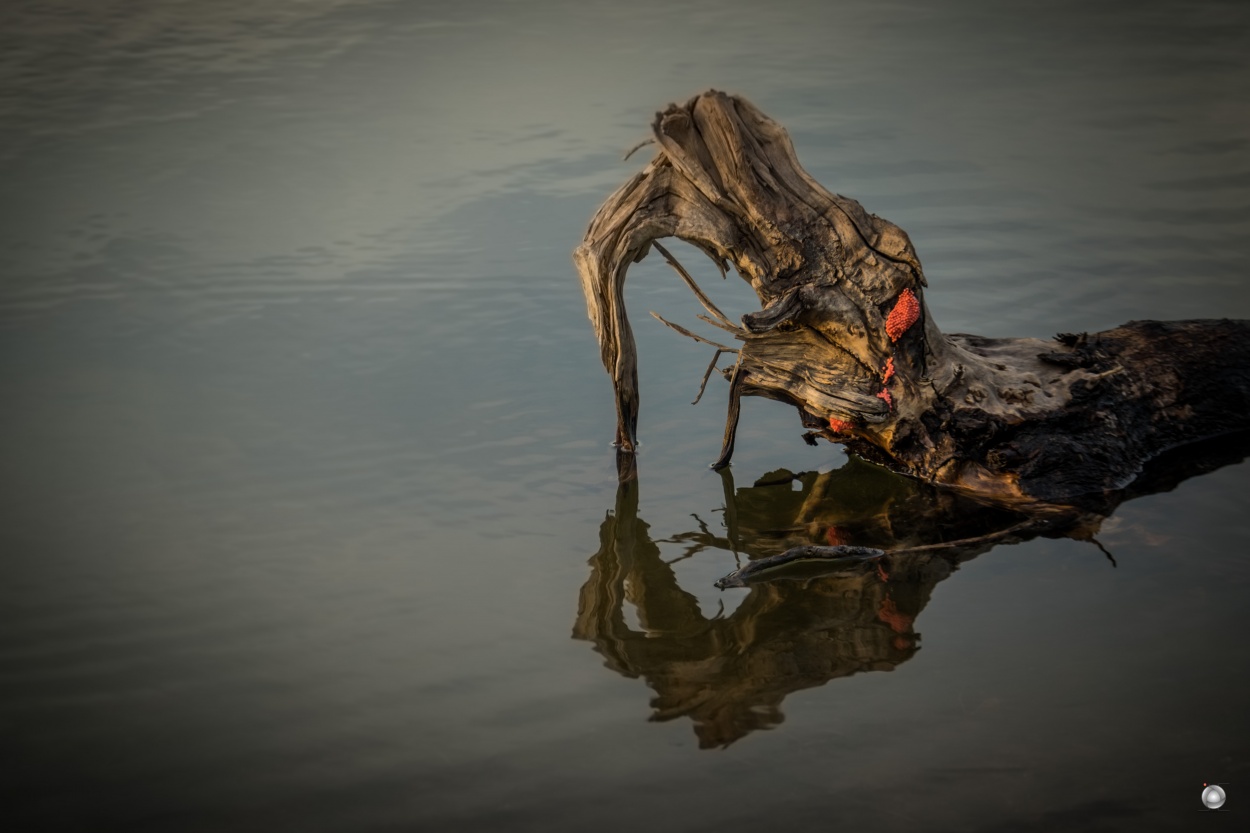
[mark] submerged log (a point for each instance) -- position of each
(844, 334)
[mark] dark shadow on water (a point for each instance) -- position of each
(813, 621)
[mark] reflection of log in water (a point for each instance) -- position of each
(729, 674)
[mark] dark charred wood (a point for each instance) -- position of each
(844, 334)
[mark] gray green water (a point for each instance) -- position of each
(307, 500)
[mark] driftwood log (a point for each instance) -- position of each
(844, 334)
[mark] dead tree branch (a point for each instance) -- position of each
(844, 335)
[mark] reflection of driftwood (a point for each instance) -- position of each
(730, 674)
(810, 622)
(845, 336)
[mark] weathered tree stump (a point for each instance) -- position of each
(844, 334)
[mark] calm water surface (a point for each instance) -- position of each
(310, 520)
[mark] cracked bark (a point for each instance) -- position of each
(839, 337)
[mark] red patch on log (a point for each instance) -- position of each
(905, 313)
(840, 425)
(889, 368)
(889, 400)
(835, 537)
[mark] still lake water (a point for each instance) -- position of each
(309, 518)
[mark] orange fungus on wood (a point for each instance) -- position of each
(906, 311)
(889, 369)
(840, 425)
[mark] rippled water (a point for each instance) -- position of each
(310, 520)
